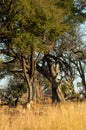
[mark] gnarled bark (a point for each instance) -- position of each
(51, 74)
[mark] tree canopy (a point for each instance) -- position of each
(39, 37)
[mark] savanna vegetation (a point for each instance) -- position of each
(42, 49)
(65, 116)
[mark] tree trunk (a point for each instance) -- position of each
(82, 74)
(29, 73)
(57, 94)
(51, 75)
(29, 85)
(60, 94)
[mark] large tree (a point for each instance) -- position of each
(29, 29)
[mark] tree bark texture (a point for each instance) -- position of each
(51, 72)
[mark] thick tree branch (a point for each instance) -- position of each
(44, 71)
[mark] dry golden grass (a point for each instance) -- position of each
(64, 116)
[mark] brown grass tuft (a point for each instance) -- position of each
(63, 116)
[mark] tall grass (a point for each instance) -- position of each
(64, 116)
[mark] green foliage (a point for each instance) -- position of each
(34, 22)
(67, 90)
(17, 90)
(67, 5)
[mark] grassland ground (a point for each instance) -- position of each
(63, 116)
